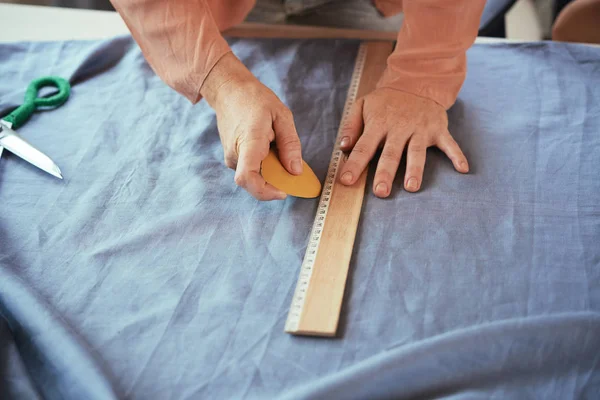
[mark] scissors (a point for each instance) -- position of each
(11, 141)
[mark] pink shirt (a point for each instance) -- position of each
(182, 41)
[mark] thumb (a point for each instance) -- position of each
(288, 143)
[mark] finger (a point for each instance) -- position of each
(230, 157)
(231, 162)
(388, 166)
(448, 145)
(247, 174)
(353, 126)
(361, 155)
(288, 143)
(415, 163)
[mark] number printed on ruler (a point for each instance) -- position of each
(319, 223)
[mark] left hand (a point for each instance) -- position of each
(395, 119)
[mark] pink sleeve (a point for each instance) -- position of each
(181, 39)
(430, 56)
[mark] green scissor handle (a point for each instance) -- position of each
(20, 115)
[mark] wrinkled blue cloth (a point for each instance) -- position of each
(147, 274)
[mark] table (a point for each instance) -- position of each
(148, 273)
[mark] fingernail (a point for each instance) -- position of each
(296, 166)
(347, 177)
(381, 189)
(345, 141)
(412, 184)
(281, 195)
(463, 165)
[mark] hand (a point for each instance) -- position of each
(393, 119)
(249, 118)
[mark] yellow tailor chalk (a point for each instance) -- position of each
(305, 185)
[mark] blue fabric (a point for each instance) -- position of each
(148, 274)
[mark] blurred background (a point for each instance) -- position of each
(522, 20)
(516, 19)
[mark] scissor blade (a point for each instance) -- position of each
(18, 146)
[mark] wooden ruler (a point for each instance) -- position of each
(317, 300)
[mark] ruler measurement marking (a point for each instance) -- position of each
(299, 297)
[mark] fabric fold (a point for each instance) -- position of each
(58, 361)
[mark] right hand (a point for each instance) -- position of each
(249, 118)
